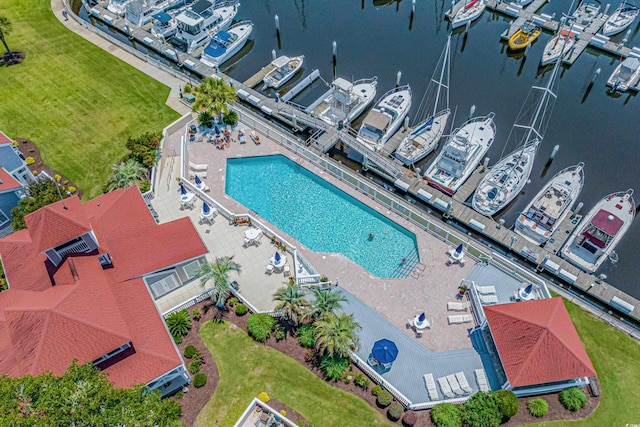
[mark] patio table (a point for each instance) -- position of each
(420, 325)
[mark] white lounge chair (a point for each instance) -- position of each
(488, 299)
(269, 269)
(287, 270)
(445, 387)
(460, 318)
(458, 306)
(431, 387)
(486, 289)
(207, 218)
(481, 378)
(464, 384)
(455, 387)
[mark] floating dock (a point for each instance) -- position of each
(259, 76)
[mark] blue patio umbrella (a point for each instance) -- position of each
(198, 181)
(183, 190)
(384, 351)
(205, 209)
(422, 317)
(216, 129)
(458, 250)
(277, 257)
(528, 289)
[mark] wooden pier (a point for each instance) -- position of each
(259, 76)
(584, 39)
(394, 142)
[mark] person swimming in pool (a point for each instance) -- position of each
(371, 236)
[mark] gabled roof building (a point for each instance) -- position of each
(14, 177)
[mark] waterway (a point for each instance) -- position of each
(593, 126)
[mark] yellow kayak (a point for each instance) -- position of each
(524, 36)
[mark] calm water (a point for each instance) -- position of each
(594, 127)
(319, 215)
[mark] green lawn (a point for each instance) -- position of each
(77, 99)
(615, 357)
(247, 368)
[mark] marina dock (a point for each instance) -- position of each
(259, 76)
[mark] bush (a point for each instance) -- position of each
(376, 389)
(231, 118)
(30, 160)
(189, 351)
(206, 119)
(260, 326)
(232, 301)
(334, 366)
(482, 410)
(179, 394)
(71, 189)
(241, 310)
(446, 415)
(57, 177)
(196, 314)
(283, 412)
(144, 148)
(178, 339)
(195, 365)
(538, 407)
(306, 337)
(264, 397)
(144, 186)
(178, 323)
(280, 333)
(409, 419)
(362, 381)
(573, 398)
(65, 182)
(395, 411)
(384, 399)
(508, 402)
(199, 380)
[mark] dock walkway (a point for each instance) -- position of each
(259, 76)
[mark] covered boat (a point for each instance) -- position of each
(385, 118)
(626, 75)
(225, 44)
(284, 68)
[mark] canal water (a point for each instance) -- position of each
(378, 38)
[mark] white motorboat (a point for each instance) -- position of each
(425, 135)
(227, 43)
(508, 177)
(461, 154)
(344, 101)
(620, 20)
(141, 12)
(165, 25)
(199, 22)
(595, 238)
(284, 68)
(543, 215)
(558, 46)
(385, 118)
(586, 13)
(118, 7)
(625, 75)
(468, 13)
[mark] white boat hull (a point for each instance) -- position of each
(422, 140)
(392, 107)
(277, 77)
(466, 16)
(585, 248)
(558, 45)
(505, 181)
(546, 211)
(619, 20)
(242, 30)
(623, 78)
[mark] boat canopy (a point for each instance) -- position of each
(607, 222)
(280, 61)
(162, 17)
(201, 6)
(343, 84)
(377, 120)
(218, 45)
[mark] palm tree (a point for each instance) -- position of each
(5, 29)
(126, 174)
(213, 95)
(324, 303)
(336, 334)
(291, 302)
(218, 271)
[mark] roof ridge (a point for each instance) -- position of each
(93, 324)
(533, 351)
(567, 348)
(38, 348)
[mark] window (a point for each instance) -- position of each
(3, 218)
(191, 269)
(164, 285)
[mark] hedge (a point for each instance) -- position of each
(508, 402)
(395, 411)
(446, 415)
(305, 336)
(260, 326)
(384, 399)
(199, 379)
(538, 407)
(241, 310)
(189, 351)
(573, 398)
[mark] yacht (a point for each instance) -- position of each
(118, 7)
(558, 46)
(344, 101)
(461, 154)
(586, 13)
(165, 25)
(424, 137)
(594, 239)
(385, 118)
(625, 75)
(468, 13)
(227, 43)
(284, 68)
(141, 12)
(544, 214)
(620, 20)
(199, 22)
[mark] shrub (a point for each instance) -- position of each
(179, 394)
(573, 398)
(280, 333)
(206, 119)
(57, 177)
(35, 173)
(362, 381)
(376, 389)
(283, 412)
(144, 149)
(71, 189)
(144, 186)
(178, 323)
(333, 366)
(178, 339)
(30, 160)
(241, 310)
(384, 399)
(482, 410)
(231, 118)
(538, 407)
(264, 397)
(65, 182)
(306, 337)
(508, 402)
(232, 301)
(446, 415)
(409, 419)
(187, 89)
(196, 314)
(395, 411)
(199, 379)
(260, 326)
(189, 351)
(195, 366)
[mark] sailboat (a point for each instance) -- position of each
(543, 215)
(509, 176)
(385, 118)
(600, 231)
(559, 45)
(468, 13)
(619, 20)
(424, 136)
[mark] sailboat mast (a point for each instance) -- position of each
(445, 64)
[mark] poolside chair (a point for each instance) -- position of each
(455, 387)
(481, 379)
(431, 387)
(486, 289)
(445, 387)
(269, 269)
(287, 270)
(462, 380)
(488, 299)
(458, 306)
(418, 333)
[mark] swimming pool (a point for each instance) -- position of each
(321, 216)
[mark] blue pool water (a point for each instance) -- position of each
(319, 215)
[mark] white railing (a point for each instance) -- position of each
(79, 247)
(188, 304)
(378, 379)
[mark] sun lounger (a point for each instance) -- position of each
(201, 175)
(488, 299)
(198, 166)
(431, 386)
(455, 387)
(458, 306)
(464, 384)
(481, 378)
(486, 289)
(460, 318)
(445, 387)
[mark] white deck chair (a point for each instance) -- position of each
(455, 387)
(481, 379)
(269, 269)
(431, 386)
(486, 289)
(445, 387)
(287, 270)
(464, 384)
(458, 306)
(488, 299)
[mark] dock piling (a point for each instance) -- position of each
(577, 208)
(406, 123)
(485, 164)
(278, 31)
(413, 11)
(273, 54)
(472, 111)
(595, 75)
(554, 152)
(335, 59)
(606, 8)
(398, 77)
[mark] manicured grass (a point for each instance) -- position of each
(247, 368)
(614, 356)
(78, 100)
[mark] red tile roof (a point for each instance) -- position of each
(7, 181)
(4, 138)
(90, 311)
(537, 342)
